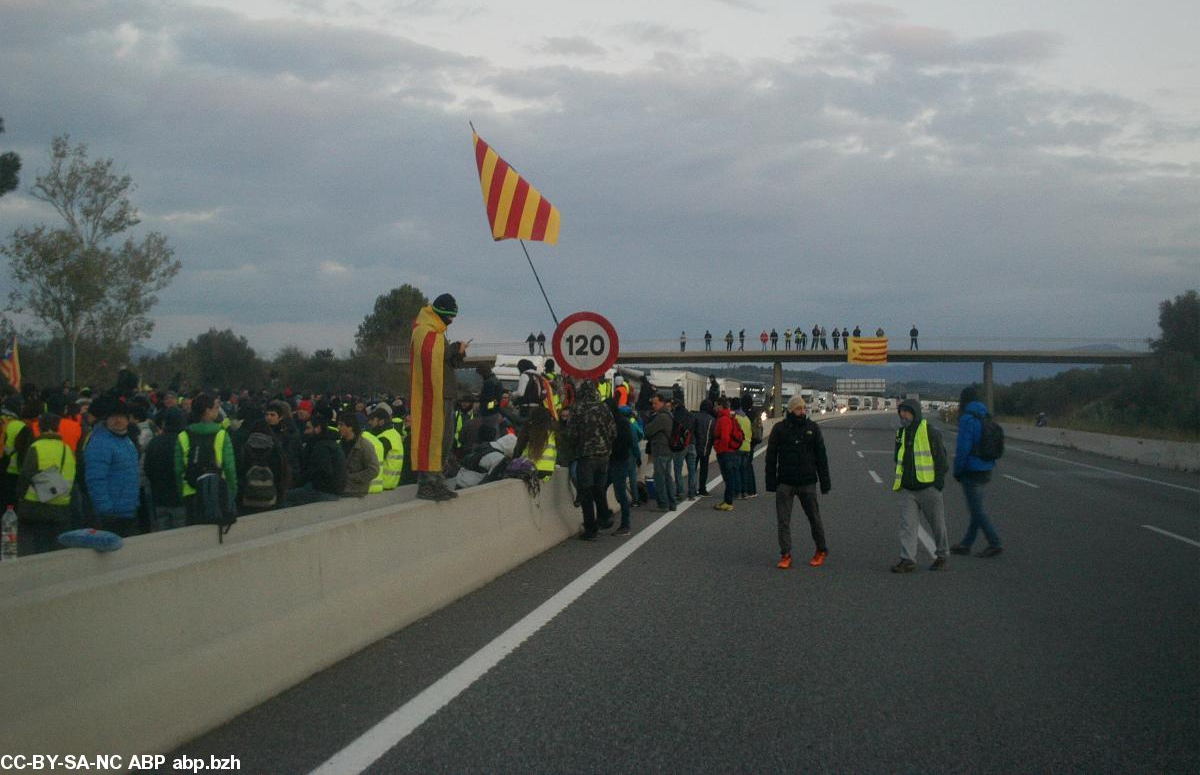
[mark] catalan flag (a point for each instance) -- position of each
(871, 350)
(10, 364)
(515, 209)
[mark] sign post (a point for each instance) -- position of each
(585, 345)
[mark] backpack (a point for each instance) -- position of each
(201, 457)
(736, 436)
(991, 439)
(681, 436)
(258, 489)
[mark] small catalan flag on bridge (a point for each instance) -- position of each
(871, 350)
(515, 209)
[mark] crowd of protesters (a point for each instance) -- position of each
(798, 338)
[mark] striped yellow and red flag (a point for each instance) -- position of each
(867, 349)
(515, 209)
(10, 364)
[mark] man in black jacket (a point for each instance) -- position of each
(796, 462)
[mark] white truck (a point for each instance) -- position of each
(694, 385)
(506, 371)
(730, 388)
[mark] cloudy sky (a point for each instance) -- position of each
(1017, 168)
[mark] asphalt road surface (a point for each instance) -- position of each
(1077, 649)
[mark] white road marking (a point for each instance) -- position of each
(1105, 470)
(875, 476)
(1022, 481)
(852, 441)
(388, 733)
(926, 540)
(1172, 535)
(860, 454)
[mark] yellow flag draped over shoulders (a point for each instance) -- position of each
(427, 358)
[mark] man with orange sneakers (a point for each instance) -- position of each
(796, 462)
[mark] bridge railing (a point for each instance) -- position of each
(398, 354)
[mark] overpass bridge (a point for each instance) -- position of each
(986, 357)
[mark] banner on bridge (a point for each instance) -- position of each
(871, 350)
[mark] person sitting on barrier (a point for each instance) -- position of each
(364, 469)
(262, 470)
(485, 462)
(324, 475)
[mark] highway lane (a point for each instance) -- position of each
(1076, 648)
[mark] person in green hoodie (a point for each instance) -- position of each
(203, 433)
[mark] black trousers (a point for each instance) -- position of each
(807, 494)
(592, 474)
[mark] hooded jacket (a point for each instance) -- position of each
(111, 474)
(362, 465)
(591, 428)
(722, 429)
(658, 432)
(970, 430)
(904, 436)
(796, 454)
(326, 464)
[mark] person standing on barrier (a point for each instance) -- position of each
(920, 477)
(973, 473)
(433, 388)
(796, 463)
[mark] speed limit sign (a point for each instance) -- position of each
(585, 345)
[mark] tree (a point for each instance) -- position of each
(225, 360)
(391, 321)
(1180, 324)
(72, 278)
(10, 165)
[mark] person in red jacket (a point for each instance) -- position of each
(727, 441)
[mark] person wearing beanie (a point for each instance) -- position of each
(920, 477)
(433, 388)
(168, 511)
(796, 463)
(110, 470)
(532, 389)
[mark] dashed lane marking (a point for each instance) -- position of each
(1022, 481)
(875, 476)
(860, 454)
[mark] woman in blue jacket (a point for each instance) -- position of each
(111, 468)
(973, 473)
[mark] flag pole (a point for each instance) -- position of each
(539, 282)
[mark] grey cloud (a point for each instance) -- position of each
(573, 46)
(866, 12)
(744, 5)
(651, 34)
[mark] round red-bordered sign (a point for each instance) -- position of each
(585, 345)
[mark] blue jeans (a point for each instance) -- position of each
(748, 484)
(679, 458)
(664, 490)
(623, 477)
(973, 485)
(731, 472)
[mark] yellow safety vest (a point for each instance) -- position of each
(922, 456)
(185, 444)
(11, 431)
(393, 462)
(53, 452)
(458, 424)
(744, 424)
(605, 389)
(545, 464)
(376, 483)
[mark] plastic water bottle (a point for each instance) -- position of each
(8, 535)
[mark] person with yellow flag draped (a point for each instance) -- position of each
(434, 386)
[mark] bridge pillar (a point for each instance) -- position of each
(989, 392)
(777, 410)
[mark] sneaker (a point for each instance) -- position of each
(785, 562)
(818, 559)
(621, 531)
(991, 551)
(587, 536)
(904, 566)
(436, 494)
(960, 549)
(939, 564)
(751, 495)
(704, 493)
(723, 506)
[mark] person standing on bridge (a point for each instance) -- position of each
(836, 336)
(857, 332)
(729, 340)
(541, 340)
(787, 338)
(973, 473)
(764, 337)
(433, 388)
(913, 333)
(531, 340)
(682, 341)
(774, 339)
(920, 477)
(741, 340)
(801, 338)
(707, 341)
(796, 463)
(845, 338)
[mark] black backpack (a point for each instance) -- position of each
(991, 438)
(201, 457)
(258, 487)
(681, 435)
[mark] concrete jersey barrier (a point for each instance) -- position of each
(151, 646)
(1177, 455)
